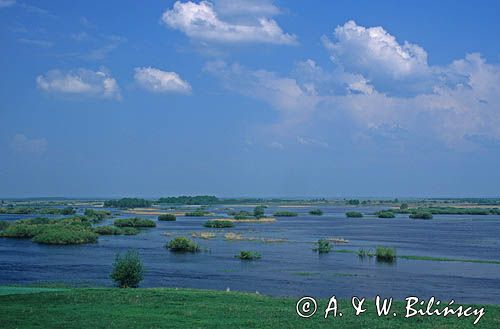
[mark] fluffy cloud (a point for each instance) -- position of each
(201, 21)
(459, 108)
(80, 82)
(160, 81)
(23, 144)
(377, 55)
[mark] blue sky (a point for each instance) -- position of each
(249, 98)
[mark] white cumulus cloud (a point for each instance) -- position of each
(159, 81)
(201, 21)
(79, 82)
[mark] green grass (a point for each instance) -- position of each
(248, 255)
(186, 308)
(385, 254)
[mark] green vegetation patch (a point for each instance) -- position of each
(316, 212)
(65, 234)
(190, 200)
(167, 217)
(421, 215)
(127, 270)
(113, 230)
(134, 222)
(197, 213)
(182, 244)
(354, 214)
(218, 223)
(128, 203)
(285, 213)
(323, 246)
(248, 255)
(385, 214)
(385, 254)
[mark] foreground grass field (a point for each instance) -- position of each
(185, 308)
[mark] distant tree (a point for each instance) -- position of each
(258, 212)
(128, 203)
(353, 202)
(403, 206)
(190, 200)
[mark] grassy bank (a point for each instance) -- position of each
(185, 308)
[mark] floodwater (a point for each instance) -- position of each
(288, 268)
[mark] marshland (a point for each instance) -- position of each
(350, 247)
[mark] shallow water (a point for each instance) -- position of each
(290, 268)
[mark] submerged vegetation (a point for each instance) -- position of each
(354, 214)
(323, 246)
(218, 223)
(248, 255)
(182, 244)
(203, 235)
(134, 222)
(167, 217)
(127, 270)
(285, 213)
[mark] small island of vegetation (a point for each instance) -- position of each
(167, 217)
(128, 203)
(354, 214)
(316, 212)
(182, 244)
(218, 223)
(134, 222)
(285, 213)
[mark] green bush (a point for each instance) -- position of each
(385, 214)
(218, 223)
(21, 231)
(403, 206)
(248, 255)
(68, 211)
(285, 213)
(316, 212)
(4, 224)
(127, 270)
(134, 222)
(258, 212)
(354, 214)
(112, 230)
(385, 254)
(96, 216)
(128, 203)
(182, 244)
(167, 217)
(65, 234)
(323, 246)
(421, 215)
(197, 213)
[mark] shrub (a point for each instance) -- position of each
(354, 214)
(197, 213)
(167, 217)
(218, 223)
(242, 216)
(385, 254)
(385, 214)
(134, 222)
(316, 212)
(68, 211)
(21, 231)
(112, 230)
(248, 255)
(323, 246)
(4, 224)
(182, 244)
(403, 206)
(258, 212)
(285, 213)
(421, 215)
(96, 216)
(127, 270)
(65, 234)
(353, 202)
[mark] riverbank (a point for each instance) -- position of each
(187, 308)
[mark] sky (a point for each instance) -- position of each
(249, 98)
